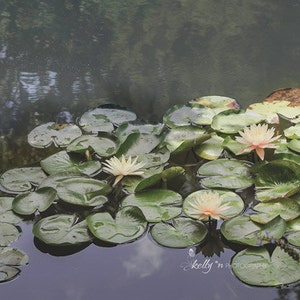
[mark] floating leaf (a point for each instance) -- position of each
(210, 149)
(218, 103)
(185, 115)
(183, 138)
(157, 205)
(226, 174)
(8, 273)
(13, 257)
(286, 208)
(277, 179)
(83, 191)
(128, 225)
(181, 233)
(103, 146)
(46, 134)
(6, 213)
(294, 145)
(293, 232)
(8, 234)
(293, 132)
(61, 230)
(22, 179)
(242, 230)
(257, 267)
(232, 121)
(29, 202)
(62, 162)
(101, 119)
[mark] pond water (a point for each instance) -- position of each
(60, 58)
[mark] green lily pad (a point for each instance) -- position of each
(8, 234)
(293, 132)
(138, 144)
(181, 233)
(128, 225)
(243, 230)
(102, 119)
(232, 121)
(29, 202)
(103, 146)
(270, 109)
(6, 213)
(46, 134)
(277, 179)
(257, 267)
(124, 130)
(226, 174)
(293, 232)
(157, 205)
(62, 162)
(294, 145)
(61, 230)
(232, 200)
(83, 191)
(8, 273)
(13, 257)
(22, 179)
(286, 208)
(210, 149)
(218, 103)
(185, 115)
(184, 138)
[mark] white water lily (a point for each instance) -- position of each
(257, 137)
(123, 167)
(207, 204)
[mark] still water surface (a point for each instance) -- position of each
(60, 58)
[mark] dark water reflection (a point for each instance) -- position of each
(69, 55)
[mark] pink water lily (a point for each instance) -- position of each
(257, 137)
(123, 167)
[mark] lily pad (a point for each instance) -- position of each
(210, 149)
(181, 233)
(277, 179)
(257, 267)
(184, 138)
(22, 179)
(62, 162)
(232, 121)
(293, 132)
(8, 273)
(83, 191)
(226, 174)
(13, 257)
(102, 119)
(46, 134)
(61, 230)
(8, 234)
(293, 232)
(243, 230)
(103, 146)
(286, 208)
(219, 103)
(157, 204)
(185, 115)
(294, 145)
(128, 224)
(6, 213)
(29, 202)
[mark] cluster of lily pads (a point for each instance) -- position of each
(188, 181)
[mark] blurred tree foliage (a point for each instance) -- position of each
(146, 55)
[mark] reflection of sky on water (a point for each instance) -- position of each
(140, 270)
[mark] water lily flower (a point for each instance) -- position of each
(257, 137)
(123, 167)
(207, 204)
